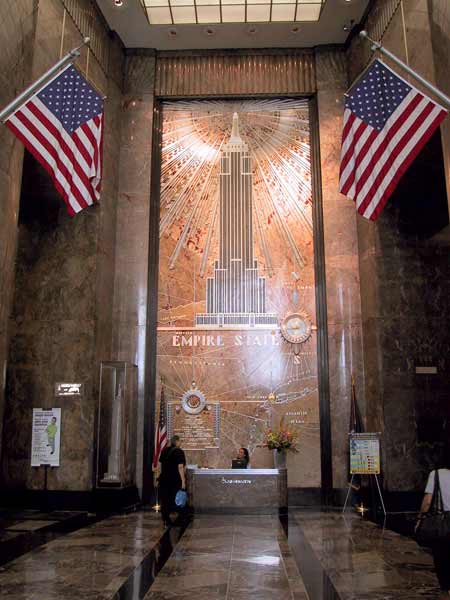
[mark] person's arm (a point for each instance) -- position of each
(426, 503)
(182, 472)
(427, 498)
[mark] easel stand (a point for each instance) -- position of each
(350, 485)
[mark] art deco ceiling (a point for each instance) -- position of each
(208, 24)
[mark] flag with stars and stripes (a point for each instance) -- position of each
(161, 432)
(386, 124)
(62, 126)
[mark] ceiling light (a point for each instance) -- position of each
(118, 3)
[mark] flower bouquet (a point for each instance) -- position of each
(280, 439)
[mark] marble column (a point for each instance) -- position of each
(341, 261)
(133, 223)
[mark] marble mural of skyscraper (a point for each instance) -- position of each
(236, 294)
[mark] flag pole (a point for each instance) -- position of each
(377, 46)
(23, 97)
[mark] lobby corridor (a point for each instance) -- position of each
(307, 556)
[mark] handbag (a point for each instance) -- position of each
(434, 526)
(181, 499)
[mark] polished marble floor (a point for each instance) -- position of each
(91, 563)
(309, 555)
(231, 558)
(348, 558)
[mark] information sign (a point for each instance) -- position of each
(365, 454)
(46, 437)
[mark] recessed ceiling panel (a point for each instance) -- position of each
(150, 23)
(258, 13)
(308, 12)
(183, 14)
(208, 14)
(283, 12)
(233, 11)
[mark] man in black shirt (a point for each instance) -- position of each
(172, 478)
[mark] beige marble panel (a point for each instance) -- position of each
(133, 221)
(341, 258)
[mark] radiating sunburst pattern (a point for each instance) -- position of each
(255, 375)
(277, 134)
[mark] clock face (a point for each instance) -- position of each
(296, 328)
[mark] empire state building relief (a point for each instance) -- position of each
(236, 293)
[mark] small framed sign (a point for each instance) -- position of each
(68, 389)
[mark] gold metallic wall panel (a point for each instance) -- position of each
(226, 74)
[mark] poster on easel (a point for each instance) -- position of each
(46, 437)
(365, 454)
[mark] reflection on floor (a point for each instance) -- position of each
(23, 530)
(351, 558)
(231, 558)
(310, 555)
(91, 563)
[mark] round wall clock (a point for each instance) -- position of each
(296, 328)
(193, 401)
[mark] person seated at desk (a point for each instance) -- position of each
(242, 461)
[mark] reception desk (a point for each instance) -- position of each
(240, 491)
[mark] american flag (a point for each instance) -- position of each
(62, 126)
(386, 124)
(161, 432)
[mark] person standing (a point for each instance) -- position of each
(172, 478)
(440, 550)
(51, 434)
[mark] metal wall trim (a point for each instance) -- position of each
(326, 449)
(231, 74)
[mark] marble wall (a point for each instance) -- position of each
(83, 289)
(17, 30)
(405, 282)
(341, 261)
(133, 227)
(61, 319)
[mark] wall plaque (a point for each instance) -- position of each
(197, 431)
(68, 389)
